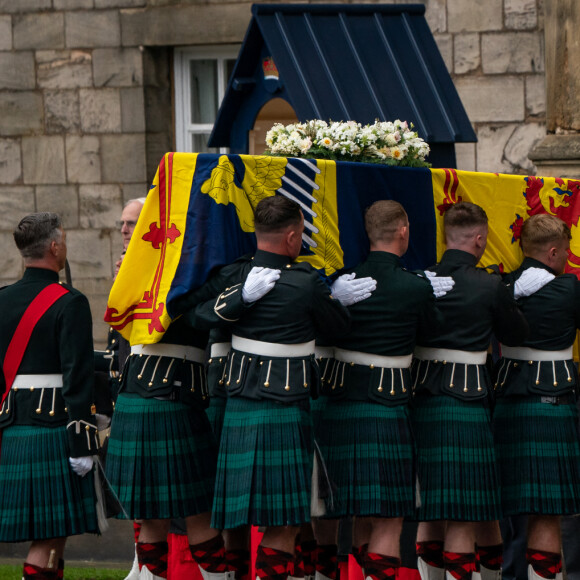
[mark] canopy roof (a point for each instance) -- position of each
(343, 62)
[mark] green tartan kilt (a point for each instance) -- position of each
(161, 458)
(456, 460)
(369, 454)
(215, 414)
(40, 495)
(264, 465)
(539, 456)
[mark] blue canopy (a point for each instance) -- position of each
(343, 62)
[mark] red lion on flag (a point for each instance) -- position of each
(563, 201)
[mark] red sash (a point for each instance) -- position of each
(36, 309)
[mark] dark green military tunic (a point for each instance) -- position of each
(535, 419)
(365, 433)
(42, 428)
(265, 459)
(452, 422)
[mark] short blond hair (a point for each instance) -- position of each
(542, 230)
(383, 219)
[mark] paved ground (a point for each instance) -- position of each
(114, 549)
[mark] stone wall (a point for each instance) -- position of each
(494, 51)
(86, 105)
(72, 131)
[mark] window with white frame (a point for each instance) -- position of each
(201, 77)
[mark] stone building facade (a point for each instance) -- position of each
(87, 104)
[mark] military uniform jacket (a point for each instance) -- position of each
(297, 309)
(478, 305)
(553, 315)
(386, 324)
(61, 343)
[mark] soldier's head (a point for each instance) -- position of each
(41, 240)
(387, 226)
(546, 238)
(279, 224)
(466, 228)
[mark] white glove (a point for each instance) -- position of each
(531, 280)
(349, 291)
(441, 284)
(81, 465)
(258, 283)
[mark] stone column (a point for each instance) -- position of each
(559, 153)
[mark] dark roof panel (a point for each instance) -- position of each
(354, 62)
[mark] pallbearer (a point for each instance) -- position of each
(535, 418)
(451, 415)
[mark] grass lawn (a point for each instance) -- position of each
(15, 573)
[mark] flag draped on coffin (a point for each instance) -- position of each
(198, 216)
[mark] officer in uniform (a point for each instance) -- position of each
(365, 433)
(535, 418)
(451, 414)
(266, 456)
(48, 429)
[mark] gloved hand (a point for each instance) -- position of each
(531, 280)
(348, 290)
(258, 283)
(441, 284)
(81, 465)
(103, 421)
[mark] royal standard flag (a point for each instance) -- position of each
(198, 216)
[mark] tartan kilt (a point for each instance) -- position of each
(161, 458)
(215, 414)
(369, 454)
(539, 456)
(264, 465)
(40, 495)
(456, 460)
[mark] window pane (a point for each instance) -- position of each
(199, 143)
(204, 97)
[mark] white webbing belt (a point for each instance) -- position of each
(451, 355)
(368, 359)
(324, 351)
(276, 349)
(218, 349)
(37, 382)
(533, 354)
(190, 353)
